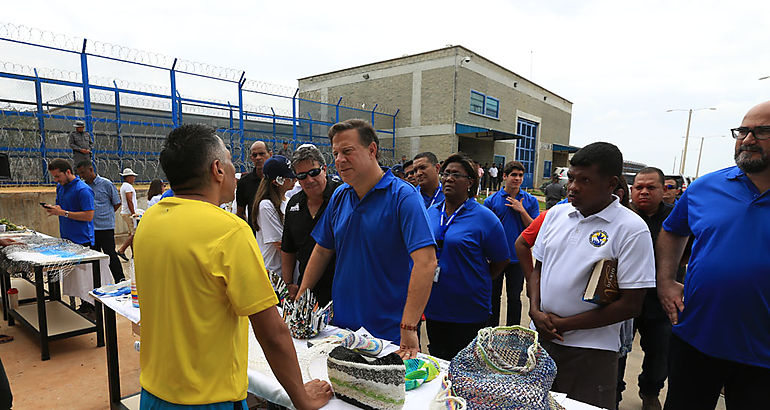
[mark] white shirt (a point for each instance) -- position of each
(270, 232)
(493, 172)
(154, 200)
(124, 189)
(569, 245)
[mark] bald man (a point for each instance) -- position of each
(248, 184)
(721, 316)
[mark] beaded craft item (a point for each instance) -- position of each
(504, 368)
(366, 382)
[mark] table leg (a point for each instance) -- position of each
(4, 286)
(97, 275)
(54, 287)
(42, 319)
(113, 367)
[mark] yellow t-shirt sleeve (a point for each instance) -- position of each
(247, 284)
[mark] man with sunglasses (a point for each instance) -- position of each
(409, 173)
(671, 192)
(302, 213)
(721, 315)
(248, 184)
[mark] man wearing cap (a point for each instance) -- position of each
(302, 213)
(385, 251)
(81, 143)
(248, 184)
(128, 207)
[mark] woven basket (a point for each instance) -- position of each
(504, 368)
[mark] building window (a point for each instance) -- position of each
(477, 102)
(484, 105)
(491, 107)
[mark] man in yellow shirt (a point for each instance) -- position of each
(199, 274)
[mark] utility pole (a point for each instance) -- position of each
(700, 152)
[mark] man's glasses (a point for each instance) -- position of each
(312, 173)
(670, 186)
(761, 132)
(410, 173)
(453, 175)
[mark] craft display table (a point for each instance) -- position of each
(262, 382)
(122, 306)
(45, 313)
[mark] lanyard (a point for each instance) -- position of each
(435, 195)
(443, 227)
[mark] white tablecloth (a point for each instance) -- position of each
(77, 282)
(263, 383)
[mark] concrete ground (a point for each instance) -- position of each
(76, 375)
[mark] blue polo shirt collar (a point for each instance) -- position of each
(734, 173)
(608, 213)
(386, 180)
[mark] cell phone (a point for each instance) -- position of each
(45, 205)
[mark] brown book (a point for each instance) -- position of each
(602, 287)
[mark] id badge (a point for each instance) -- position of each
(436, 273)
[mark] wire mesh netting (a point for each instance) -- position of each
(130, 117)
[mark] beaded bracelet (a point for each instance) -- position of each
(408, 327)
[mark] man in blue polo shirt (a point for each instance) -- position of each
(106, 202)
(74, 204)
(426, 169)
(516, 210)
(721, 318)
(377, 225)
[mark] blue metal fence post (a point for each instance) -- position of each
(240, 119)
(174, 113)
(118, 125)
(394, 132)
(373, 109)
(179, 107)
(230, 109)
(274, 124)
(87, 94)
(41, 125)
(337, 111)
(310, 127)
(294, 117)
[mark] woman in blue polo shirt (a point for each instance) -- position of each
(471, 250)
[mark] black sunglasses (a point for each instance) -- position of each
(670, 186)
(313, 173)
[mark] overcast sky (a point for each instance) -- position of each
(622, 64)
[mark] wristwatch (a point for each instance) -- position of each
(66, 214)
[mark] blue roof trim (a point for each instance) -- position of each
(485, 132)
(567, 148)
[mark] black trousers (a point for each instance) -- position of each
(695, 380)
(514, 283)
(104, 241)
(447, 339)
(6, 397)
(587, 375)
(655, 334)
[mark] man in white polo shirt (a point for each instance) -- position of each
(584, 338)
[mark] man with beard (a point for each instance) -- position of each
(721, 315)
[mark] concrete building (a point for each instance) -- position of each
(453, 99)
